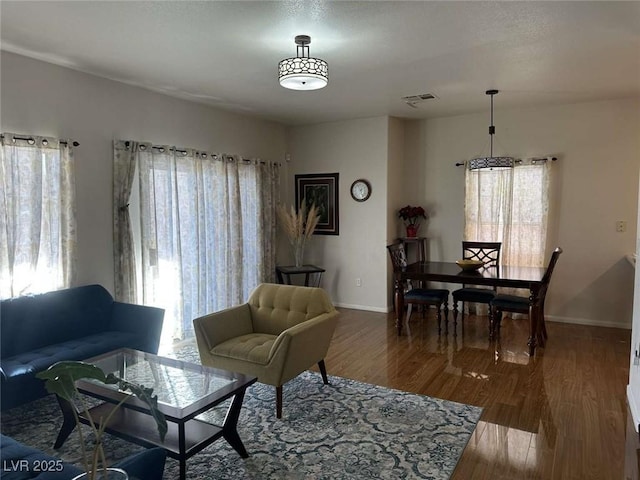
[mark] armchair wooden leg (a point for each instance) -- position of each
(323, 371)
(279, 401)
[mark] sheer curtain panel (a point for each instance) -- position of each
(124, 168)
(206, 231)
(511, 206)
(37, 215)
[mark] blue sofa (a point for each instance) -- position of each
(20, 462)
(37, 331)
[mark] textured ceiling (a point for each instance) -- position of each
(225, 54)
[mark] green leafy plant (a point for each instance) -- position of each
(60, 378)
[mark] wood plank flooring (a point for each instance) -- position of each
(559, 415)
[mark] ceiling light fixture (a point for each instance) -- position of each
(491, 161)
(303, 72)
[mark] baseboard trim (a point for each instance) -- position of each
(364, 307)
(587, 321)
(634, 406)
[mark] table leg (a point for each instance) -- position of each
(229, 427)
(399, 304)
(306, 280)
(533, 321)
(183, 454)
(68, 421)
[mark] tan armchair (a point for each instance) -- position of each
(279, 333)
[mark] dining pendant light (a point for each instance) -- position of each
(491, 161)
(303, 72)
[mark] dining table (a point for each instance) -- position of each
(529, 278)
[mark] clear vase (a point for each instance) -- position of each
(298, 253)
(110, 474)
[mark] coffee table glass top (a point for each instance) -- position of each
(177, 384)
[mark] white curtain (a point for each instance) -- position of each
(37, 215)
(207, 231)
(511, 206)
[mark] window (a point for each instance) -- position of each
(37, 220)
(511, 206)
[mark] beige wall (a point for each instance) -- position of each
(598, 145)
(43, 99)
(406, 162)
(355, 149)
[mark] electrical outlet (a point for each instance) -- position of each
(621, 226)
(358, 282)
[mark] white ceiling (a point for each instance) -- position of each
(225, 54)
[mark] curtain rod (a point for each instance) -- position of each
(533, 160)
(32, 140)
(203, 154)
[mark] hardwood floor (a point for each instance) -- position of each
(559, 415)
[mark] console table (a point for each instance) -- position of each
(284, 274)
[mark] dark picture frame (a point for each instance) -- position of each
(321, 189)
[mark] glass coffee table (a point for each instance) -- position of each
(185, 390)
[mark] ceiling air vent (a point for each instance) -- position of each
(415, 100)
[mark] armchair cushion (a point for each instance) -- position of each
(254, 347)
(274, 309)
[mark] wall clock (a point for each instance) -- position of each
(360, 190)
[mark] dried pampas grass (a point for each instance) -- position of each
(300, 225)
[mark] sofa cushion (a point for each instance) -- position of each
(18, 462)
(254, 348)
(21, 462)
(79, 349)
(34, 321)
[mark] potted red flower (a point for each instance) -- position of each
(411, 217)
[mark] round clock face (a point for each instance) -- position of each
(360, 190)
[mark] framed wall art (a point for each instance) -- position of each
(321, 189)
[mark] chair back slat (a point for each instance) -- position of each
(398, 255)
(487, 252)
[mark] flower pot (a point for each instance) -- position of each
(110, 474)
(412, 230)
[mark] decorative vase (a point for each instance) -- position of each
(110, 474)
(412, 230)
(298, 253)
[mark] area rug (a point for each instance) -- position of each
(344, 430)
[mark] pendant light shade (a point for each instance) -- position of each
(303, 72)
(491, 161)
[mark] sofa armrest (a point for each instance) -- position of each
(303, 345)
(139, 319)
(145, 465)
(218, 327)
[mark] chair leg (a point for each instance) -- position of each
(279, 401)
(409, 307)
(323, 371)
(439, 319)
(446, 317)
(491, 321)
(455, 317)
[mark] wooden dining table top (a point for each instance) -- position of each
(450, 272)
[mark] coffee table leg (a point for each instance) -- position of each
(229, 427)
(68, 422)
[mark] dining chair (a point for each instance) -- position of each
(423, 297)
(489, 254)
(517, 304)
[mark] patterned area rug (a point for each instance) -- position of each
(345, 430)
